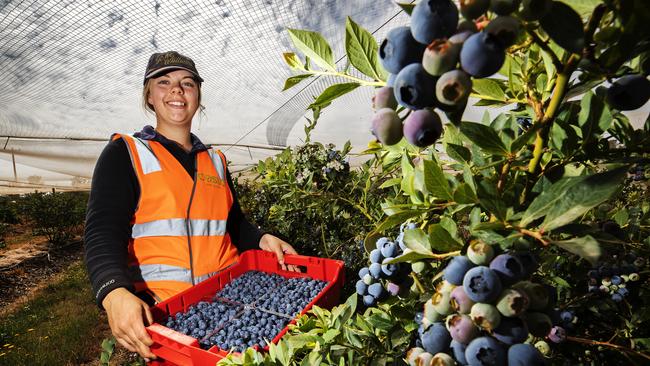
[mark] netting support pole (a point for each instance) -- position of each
(13, 160)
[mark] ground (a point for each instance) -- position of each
(28, 269)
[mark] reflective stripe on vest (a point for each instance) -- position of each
(178, 227)
(218, 165)
(166, 272)
(148, 160)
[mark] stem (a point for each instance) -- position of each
(559, 92)
(502, 178)
(418, 283)
(610, 345)
(534, 234)
(446, 255)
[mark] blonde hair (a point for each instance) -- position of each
(148, 107)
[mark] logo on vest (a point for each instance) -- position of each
(211, 180)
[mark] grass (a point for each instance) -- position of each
(57, 327)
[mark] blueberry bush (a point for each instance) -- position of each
(309, 196)
(57, 215)
(520, 239)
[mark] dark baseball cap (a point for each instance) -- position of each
(160, 63)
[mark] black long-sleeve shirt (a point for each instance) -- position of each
(114, 194)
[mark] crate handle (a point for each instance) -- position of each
(300, 260)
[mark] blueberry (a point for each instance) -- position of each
(557, 334)
(399, 49)
(384, 98)
(461, 328)
(616, 280)
(480, 253)
(442, 359)
(458, 350)
(375, 256)
(485, 316)
(528, 261)
(482, 55)
(485, 351)
(453, 88)
(393, 288)
(567, 316)
(525, 355)
(504, 7)
(512, 302)
(617, 297)
(461, 37)
(508, 268)
(511, 331)
(435, 338)
(415, 88)
(390, 249)
(387, 127)
(460, 302)
(433, 19)
(472, 9)
(377, 291)
(363, 272)
(466, 26)
(375, 270)
(422, 128)
(391, 80)
(456, 269)
(505, 29)
(441, 56)
(390, 270)
(430, 312)
(482, 284)
(442, 301)
(361, 288)
(412, 354)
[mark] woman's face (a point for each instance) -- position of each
(175, 97)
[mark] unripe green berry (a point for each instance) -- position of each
(480, 253)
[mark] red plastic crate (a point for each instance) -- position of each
(175, 348)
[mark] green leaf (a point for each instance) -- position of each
(333, 92)
(314, 46)
(484, 137)
(410, 256)
(380, 322)
(621, 217)
(361, 49)
(441, 240)
(459, 153)
(391, 182)
(594, 117)
(523, 139)
(293, 61)
(465, 194)
(449, 225)
(569, 198)
(417, 241)
(490, 89)
(586, 247)
(408, 8)
(398, 218)
(435, 181)
(331, 334)
(294, 80)
(565, 27)
(584, 7)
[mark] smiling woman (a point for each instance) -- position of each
(161, 217)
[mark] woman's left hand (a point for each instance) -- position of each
(278, 246)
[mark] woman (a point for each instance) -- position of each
(162, 214)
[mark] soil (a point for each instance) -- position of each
(28, 264)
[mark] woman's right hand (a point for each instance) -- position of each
(126, 316)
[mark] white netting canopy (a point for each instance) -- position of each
(72, 75)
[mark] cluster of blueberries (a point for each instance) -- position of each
(639, 172)
(613, 278)
(484, 310)
(432, 62)
(248, 311)
(396, 279)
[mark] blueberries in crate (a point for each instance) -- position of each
(202, 318)
(292, 296)
(250, 286)
(252, 328)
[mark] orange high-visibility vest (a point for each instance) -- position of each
(179, 233)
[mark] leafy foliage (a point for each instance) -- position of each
(550, 175)
(56, 215)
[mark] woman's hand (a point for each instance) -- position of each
(278, 246)
(126, 314)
